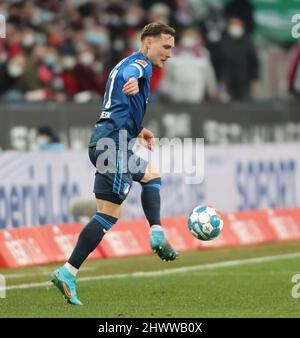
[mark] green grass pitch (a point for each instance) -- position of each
(208, 283)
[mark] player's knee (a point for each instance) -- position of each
(150, 176)
(108, 208)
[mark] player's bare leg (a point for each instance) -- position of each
(91, 235)
(150, 197)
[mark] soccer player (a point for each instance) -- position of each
(124, 105)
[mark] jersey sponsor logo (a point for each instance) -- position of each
(105, 115)
(141, 62)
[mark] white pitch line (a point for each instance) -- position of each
(182, 269)
(47, 272)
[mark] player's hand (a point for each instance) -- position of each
(147, 136)
(131, 87)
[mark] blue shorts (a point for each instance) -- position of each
(116, 170)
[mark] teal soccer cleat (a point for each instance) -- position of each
(66, 283)
(161, 246)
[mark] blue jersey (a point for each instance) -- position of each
(121, 111)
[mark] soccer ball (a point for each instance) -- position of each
(205, 222)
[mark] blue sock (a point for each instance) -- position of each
(151, 200)
(89, 238)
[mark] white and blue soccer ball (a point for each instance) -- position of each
(205, 222)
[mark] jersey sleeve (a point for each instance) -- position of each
(137, 68)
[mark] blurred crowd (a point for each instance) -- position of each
(64, 50)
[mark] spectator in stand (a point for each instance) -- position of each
(135, 19)
(159, 12)
(190, 77)
(46, 139)
(10, 73)
(239, 72)
(168, 11)
(213, 27)
(36, 80)
(68, 74)
(67, 32)
(113, 15)
(86, 77)
(242, 9)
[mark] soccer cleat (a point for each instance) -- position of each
(66, 283)
(161, 246)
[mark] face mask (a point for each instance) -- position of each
(50, 60)
(40, 38)
(98, 67)
(188, 42)
(57, 83)
(132, 20)
(98, 39)
(236, 31)
(46, 16)
(118, 45)
(28, 40)
(69, 62)
(163, 19)
(135, 44)
(86, 58)
(41, 141)
(15, 70)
